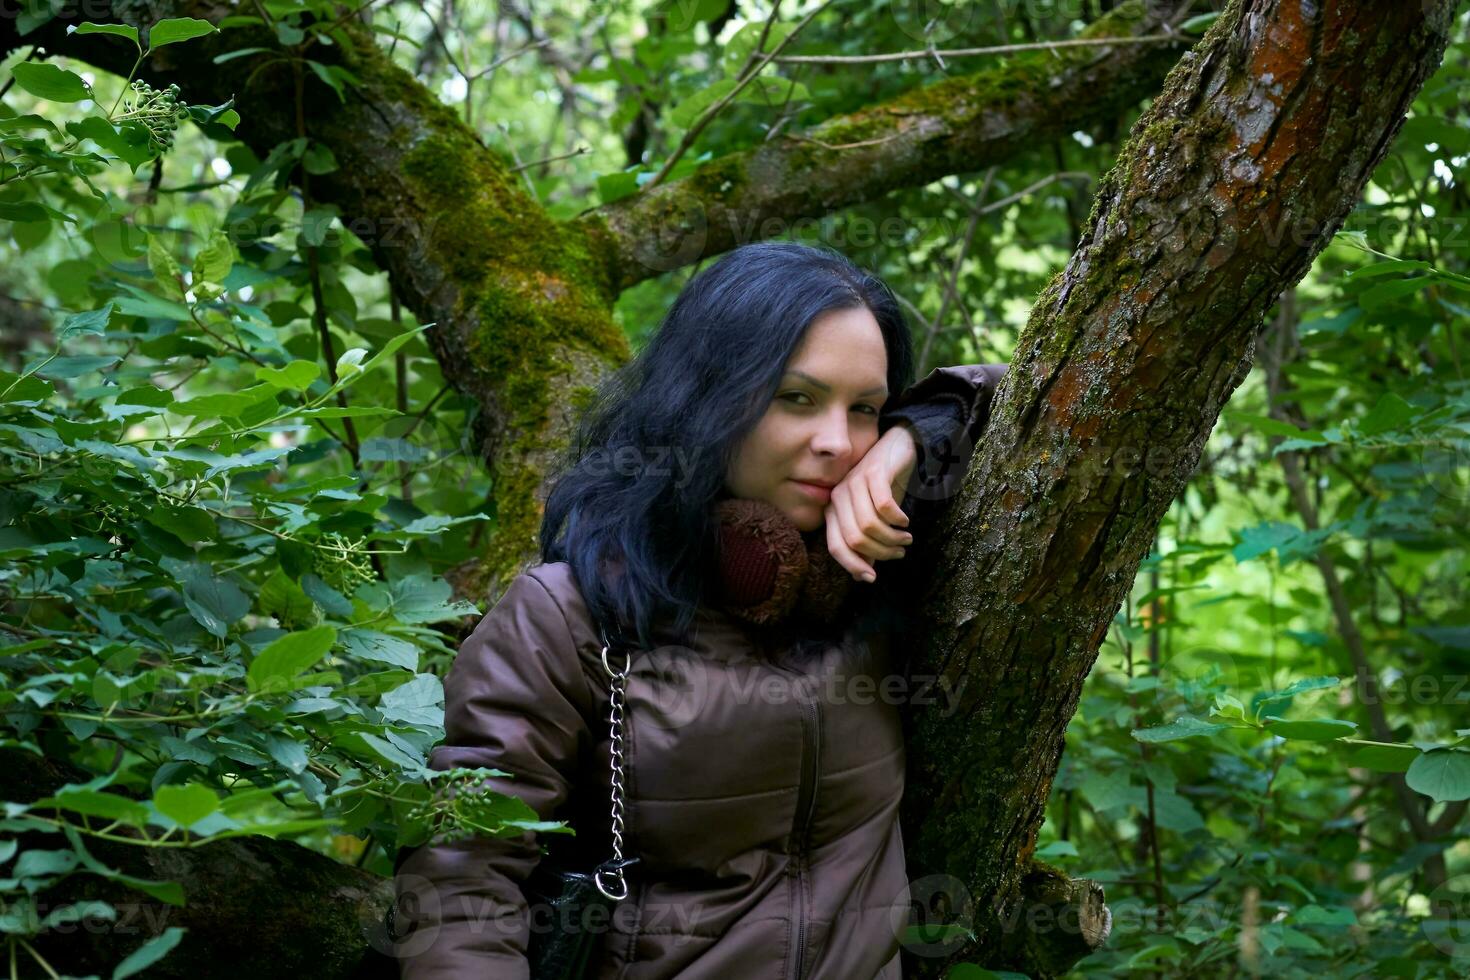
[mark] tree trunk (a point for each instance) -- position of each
(522, 303)
(1239, 173)
(1235, 178)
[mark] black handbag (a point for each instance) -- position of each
(570, 909)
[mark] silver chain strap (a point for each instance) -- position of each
(614, 870)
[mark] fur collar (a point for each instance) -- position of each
(770, 573)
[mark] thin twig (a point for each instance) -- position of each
(706, 117)
(844, 146)
(954, 272)
(560, 156)
(507, 57)
(868, 59)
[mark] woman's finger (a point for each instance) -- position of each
(874, 539)
(876, 513)
(838, 549)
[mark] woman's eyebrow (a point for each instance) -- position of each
(880, 390)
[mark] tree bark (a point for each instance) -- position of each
(960, 125)
(522, 303)
(1235, 178)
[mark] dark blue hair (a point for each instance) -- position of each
(697, 388)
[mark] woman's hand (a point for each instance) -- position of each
(863, 509)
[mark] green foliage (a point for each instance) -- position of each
(234, 478)
(222, 602)
(1230, 774)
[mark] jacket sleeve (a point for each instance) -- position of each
(947, 410)
(517, 699)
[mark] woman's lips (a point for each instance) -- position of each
(819, 494)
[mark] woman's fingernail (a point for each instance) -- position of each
(869, 577)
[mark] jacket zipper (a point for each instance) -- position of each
(806, 795)
(806, 803)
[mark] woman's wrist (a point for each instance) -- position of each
(900, 445)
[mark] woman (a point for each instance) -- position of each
(726, 507)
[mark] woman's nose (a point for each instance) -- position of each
(833, 438)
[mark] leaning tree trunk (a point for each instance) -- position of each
(1240, 172)
(1232, 183)
(523, 303)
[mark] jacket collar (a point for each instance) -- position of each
(769, 572)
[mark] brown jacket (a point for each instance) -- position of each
(762, 788)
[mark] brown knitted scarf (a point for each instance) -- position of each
(771, 572)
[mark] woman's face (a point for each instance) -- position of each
(822, 420)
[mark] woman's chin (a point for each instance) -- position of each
(806, 517)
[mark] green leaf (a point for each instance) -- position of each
(145, 304)
(165, 269)
(329, 75)
(1385, 293)
(77, 912)
(1309, 729)
(98, 804)
(191, 525)
(1274, 427)
(13, 388)
(147, 396)
(1200, 23)
(315, 223)
(611, 187)
(318, 160)
(117, 30)
(214, 261)
(289, 34)
(1320, 682)
(1185, 726)
(75, 367)
(22, 210)
(149, 953)
(186, 805)
(91, 322)
(1443, 776)
(290, 753)
(288, 656)
(350, 412)
(1176, 813)
(1256, 541)
(768, 90)
(46, 81)
(738, 51)
(214, 601)
(1383, 756)
(1388, 414)
(298, 375)
(1336, 916)
(419, 702)
(365, 644)
(224, 405)
(176, 29)
(682, 15)
(44, 864)
(284, 599)
(391, 347)
(690, 109)
(1385, 268)
(416, 599)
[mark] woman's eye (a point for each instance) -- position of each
(792, 396)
